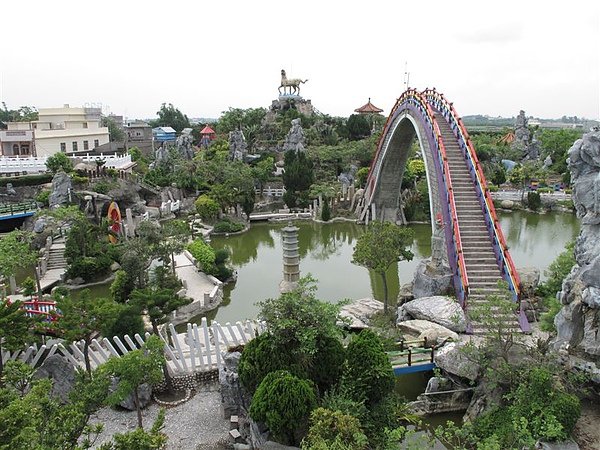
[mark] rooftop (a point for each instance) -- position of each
(368, 108)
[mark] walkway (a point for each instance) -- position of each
(16, 210)
(413, 356)
(257, 217)
(198, 285)
(56, 265)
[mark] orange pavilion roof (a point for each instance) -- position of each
(369, 108)
(207, 130)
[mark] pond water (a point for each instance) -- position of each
(326, 253)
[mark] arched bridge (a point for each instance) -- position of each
(460, 201)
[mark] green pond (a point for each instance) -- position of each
(326, 253)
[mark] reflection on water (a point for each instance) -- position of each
(326, 253)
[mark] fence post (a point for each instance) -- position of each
(409, 356)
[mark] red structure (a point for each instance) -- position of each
(208, 132)
(368, 108)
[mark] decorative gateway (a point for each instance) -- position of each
(114, 222)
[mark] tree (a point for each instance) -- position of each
(15, 253)
(263, 171)
(85, 318)
(59, 161)
(283, 402)
(115, 132)
(134, 369)
(326, 211)
(15, 327)
(207, 207)
(139, 439)
(237, 118)
(381, 245)
(358, 127)
(175, 234)
(297, 178)
(169, 116)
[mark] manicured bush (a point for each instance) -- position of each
(326, 211)
(27, 180)
(89, 268)
(59, 161)
(260, 357)
(228, 226)
(204, 254)
(368, 373)
(284, 402)
(534, 201)
(328, 363)
(207, 207)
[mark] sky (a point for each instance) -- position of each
(491, 58)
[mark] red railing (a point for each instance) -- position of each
(489, 210)
(412, 95)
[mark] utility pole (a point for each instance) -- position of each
(406, 76)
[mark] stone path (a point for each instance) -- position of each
(196, 424)
(57, 265)
(197, 283)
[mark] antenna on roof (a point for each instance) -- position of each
(406, 76)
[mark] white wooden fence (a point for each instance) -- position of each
(34, 164)
(199, 349)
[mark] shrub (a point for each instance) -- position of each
(333, 430)
(368, 373)
(59, 161)
(228, 226)
(89, 268)
(492, 188)
(534, 201)
(557, 272)
(261, 357)
(207, 207)
(326, 211)
(43, 197)
(204, 254)
(121, 287)
(545, 190)
(328, 363)
(27, 180)
(283, 402)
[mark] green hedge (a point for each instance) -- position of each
(28, 180)
(228, 226)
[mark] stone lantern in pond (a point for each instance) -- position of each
(291, 259)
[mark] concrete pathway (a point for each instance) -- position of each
(57, 266)
(196, 283)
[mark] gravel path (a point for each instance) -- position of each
(194, 425)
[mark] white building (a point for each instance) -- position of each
(63, 129)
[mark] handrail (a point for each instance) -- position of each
(458, 127)
(418, 100)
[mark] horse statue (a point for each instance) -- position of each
(291, 83)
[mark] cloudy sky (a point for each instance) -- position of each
(490, 58)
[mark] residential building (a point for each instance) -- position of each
(164, 134)
(138, 131)
(63, 129)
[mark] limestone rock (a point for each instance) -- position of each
(295, 137)
(10, 190)
(39, 225)
(530, 278)
(507, 204)
(430, 280)
(360, 312)
(61, 186)
(405, 293)
(233, 395)
(452, 359)
(62, 373)
(238, 148)
(439, 309)
(577, 323)
(115, 266)
(144, 396)
(424, 329)
(565, 445)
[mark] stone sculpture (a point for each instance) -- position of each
(184, 146)
(10, 190)
(238, 148)
(524, 141)
(161, 156)
(295, 137)
(347, 178)
(292, 83)
(577, 322)
(61, 190)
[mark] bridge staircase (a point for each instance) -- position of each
(479, 256)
